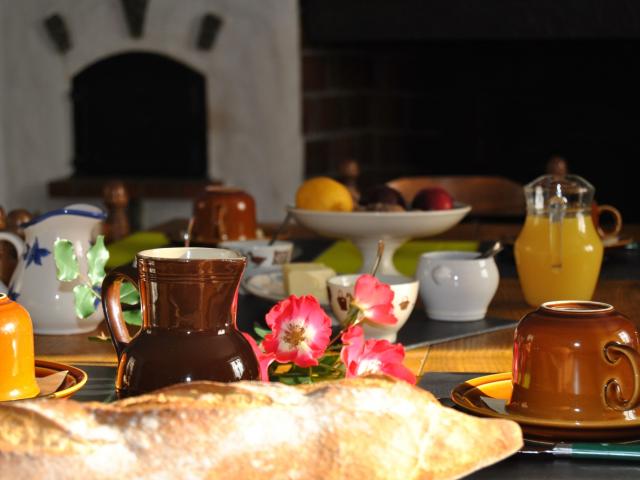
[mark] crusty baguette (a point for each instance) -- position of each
(366, 428)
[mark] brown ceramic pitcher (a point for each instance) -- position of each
(188, 298)
(576, 361)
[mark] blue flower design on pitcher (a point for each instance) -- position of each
(34, 254)
(97, 300)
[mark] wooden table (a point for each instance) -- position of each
(489, 352)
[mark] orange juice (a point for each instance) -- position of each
(558, 261)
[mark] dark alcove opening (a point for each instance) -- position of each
(139, 115)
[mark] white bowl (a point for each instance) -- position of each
(260, 255)
(456, 286)
(365, 229)
(405, 293)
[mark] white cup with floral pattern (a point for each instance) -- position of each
(405, 293)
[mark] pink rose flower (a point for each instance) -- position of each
(300, 331)
(264, 359)
(374, 299)
(362, 357)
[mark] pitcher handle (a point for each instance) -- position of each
(557, 208)
(113, 309)
(14, 240)
(613, 391)
(617, 219)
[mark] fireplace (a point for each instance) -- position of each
(139, 115)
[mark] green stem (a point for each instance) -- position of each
(376, 264)
(352, 319)
(95, 294)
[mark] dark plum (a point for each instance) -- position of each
(382, 194)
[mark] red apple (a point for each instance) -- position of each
(434, 198)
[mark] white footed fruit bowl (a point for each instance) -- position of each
(365, 229)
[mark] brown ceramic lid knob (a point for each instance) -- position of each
(16, 218)
(115, 193)
(3, 219)
(116, 199)
(557, 166)
(349, 172)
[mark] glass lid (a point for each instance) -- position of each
(572, 191)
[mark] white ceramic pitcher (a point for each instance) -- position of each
(34, 283)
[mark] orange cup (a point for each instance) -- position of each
(17, 362)
(576, 361)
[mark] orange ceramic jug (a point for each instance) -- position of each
(17, 363)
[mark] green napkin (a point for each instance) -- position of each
(124, 251)
(344, 257)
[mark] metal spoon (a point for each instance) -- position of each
(279, 230)
(492, 251)
(188, 233)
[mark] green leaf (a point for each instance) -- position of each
(287, 381)
(84, 300)
(129, 294)
(259, 331)
(133, 317)
(329, 359)
(67, 268)
(293, 380)
(97, 257)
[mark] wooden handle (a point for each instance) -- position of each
(613, 391)
(112, 307)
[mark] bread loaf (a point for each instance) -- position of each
(365, 428)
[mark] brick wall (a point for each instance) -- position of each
(467, 107)
(337, 89)
(386, 109)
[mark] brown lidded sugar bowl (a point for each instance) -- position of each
(223, 213)
(576, 361)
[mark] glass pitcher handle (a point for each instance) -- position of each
(557, 208)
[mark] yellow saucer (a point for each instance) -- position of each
(73, 382)
(470, 396)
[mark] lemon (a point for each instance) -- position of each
(324, 193)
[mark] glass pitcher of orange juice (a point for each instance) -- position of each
(558, 252)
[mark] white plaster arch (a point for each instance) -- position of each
(252, 77)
